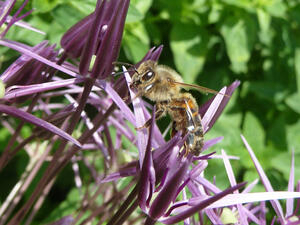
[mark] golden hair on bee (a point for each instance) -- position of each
(163, 85)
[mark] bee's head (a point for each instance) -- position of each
(144, 76)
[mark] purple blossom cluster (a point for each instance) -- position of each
(166, 185)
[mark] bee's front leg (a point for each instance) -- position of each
(160, 112)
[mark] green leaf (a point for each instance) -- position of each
(24, 35)
(171, 10)
(276, 8)
(293, 101)
(68, 206)
(66, 15)
(215, 13)
(84, 7)
(43, 6)
(294, 13)
(239, 35)
(228, 126)
(133, 15)
(137, 10)
(2, 89)
(57, 33)
(264, 20)
(297, 67)
(228, 217)
(250, 175)
(189, 46)
(282, 162)
(136, 42)
(248, 5)
(293, 137)
(254, 132)
(141, 6)
(277, 133)
(271, 91)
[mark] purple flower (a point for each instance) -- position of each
(104, 28)
(36, 72)
(164, 166)
(5, 8)
(167, 186)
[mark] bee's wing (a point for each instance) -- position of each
(197, 87)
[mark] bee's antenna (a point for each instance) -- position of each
(122, 63)
(126, 64)
(121, 72)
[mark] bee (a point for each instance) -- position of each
(163, 85)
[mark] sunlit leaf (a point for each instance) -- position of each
(136, 42)
(67, 16)
(293, 132)
(293, 102)
(282, 162)
(134, 14)
(189, 46)
(277, 133)
(2, 89)
(239, 35)
(141, 6)
(276, 8)
(254, 131)
(272, 91)
(45, 5)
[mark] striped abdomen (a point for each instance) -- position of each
(184, 112)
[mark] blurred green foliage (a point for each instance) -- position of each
(213, 43)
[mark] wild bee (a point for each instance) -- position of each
(163, 86)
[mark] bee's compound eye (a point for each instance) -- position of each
(148, 75)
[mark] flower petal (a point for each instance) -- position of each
(166, 195)
(38, 122)
(147, 178)
(200, 206)
(275, 203)
(221, 105)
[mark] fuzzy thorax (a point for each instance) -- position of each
(162, 87)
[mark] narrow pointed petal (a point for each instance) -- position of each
(110, 45)
(126, 172)
(203, 204)
(5, 9)
(74, 39)
(264, 179)
(26, 51)
(233, 199)
(213, 109)
(93, 34)
(38, 122)
(147, 178)
(229, 91)
(140, 121)
(18, 91)
(230, 174)
(118, 101)
(166, 195)
(290, 202)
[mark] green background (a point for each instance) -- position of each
(211, 43)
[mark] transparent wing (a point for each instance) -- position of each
(197, 87)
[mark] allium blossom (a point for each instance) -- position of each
(166, 167)
(166, 185)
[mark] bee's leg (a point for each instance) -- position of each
(187, 150)
(173, 131)
(161, 110)
(137, 95)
